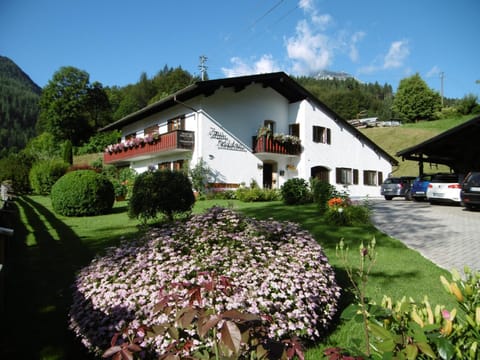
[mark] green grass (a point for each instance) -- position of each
(394, 139)
(47, 250)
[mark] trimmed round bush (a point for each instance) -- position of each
(82, 193)
(168, 192)
(276, 268)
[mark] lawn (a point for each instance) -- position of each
(394, 139)
(47, 250)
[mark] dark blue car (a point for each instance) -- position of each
(419, 188)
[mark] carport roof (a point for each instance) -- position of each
(457, 148)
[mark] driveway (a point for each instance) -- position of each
(447, 235)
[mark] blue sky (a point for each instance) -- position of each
(116, 40)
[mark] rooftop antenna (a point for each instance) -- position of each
(203, 66)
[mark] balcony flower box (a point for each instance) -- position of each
(143, 147)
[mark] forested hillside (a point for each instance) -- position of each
(351, 99)
(19, 97)
(74, 110)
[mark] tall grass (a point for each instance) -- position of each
(394, 139)
(48, 249)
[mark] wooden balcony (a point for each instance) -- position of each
(175, 141)
(266, 144)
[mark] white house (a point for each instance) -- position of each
(265, 128)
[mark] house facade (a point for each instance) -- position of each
(264, 128)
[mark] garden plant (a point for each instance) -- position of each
(276, 270)
(82, 193)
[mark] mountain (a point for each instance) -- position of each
(19, 97)
(332, 75)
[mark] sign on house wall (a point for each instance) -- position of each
(223, 141)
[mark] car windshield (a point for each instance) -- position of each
(445, 178)
(424, 178)
(392, 181)
(473, 179)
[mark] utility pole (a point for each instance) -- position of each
(202, 66)
(442, 75)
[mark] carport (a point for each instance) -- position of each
(458, 148)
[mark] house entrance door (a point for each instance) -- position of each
(321, 173)
(267, 175)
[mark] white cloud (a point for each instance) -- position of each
(312, 48)
(355, 38)
(433, 72)
(395, 58)
(396, 55)
(265, 64)
(309, 51)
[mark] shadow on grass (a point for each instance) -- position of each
(37, 286)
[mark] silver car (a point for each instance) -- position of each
(397, 187)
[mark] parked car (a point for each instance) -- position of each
(470, 192)
(397, 187)
(444, 188)
(420, 187)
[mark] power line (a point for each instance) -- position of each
(265, 14)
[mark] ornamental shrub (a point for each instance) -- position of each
(277, 269)
(255, 194)
(168, 192)
(322, 191)
(45, 173)
(82, 193)
(296, 191)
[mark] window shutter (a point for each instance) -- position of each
(380, 178)
(338, 175)
(329, 136)
(355, 176)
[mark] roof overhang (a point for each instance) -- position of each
(278, 81)
(456, 148)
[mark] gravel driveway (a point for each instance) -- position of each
(447, 235)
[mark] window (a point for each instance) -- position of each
(164, 166)
(322, 135)
(355, 176)
(151, 130)
(344, 176)
(176, 124)
(370, 177)
(294, 130)
(173, 165)
(178, 165)
(380, 177)
(130, 136)
(270, 125)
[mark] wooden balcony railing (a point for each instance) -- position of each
(264, 144)
(172, 141)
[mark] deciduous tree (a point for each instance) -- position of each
(415, 101)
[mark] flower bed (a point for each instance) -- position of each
(276, 268)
